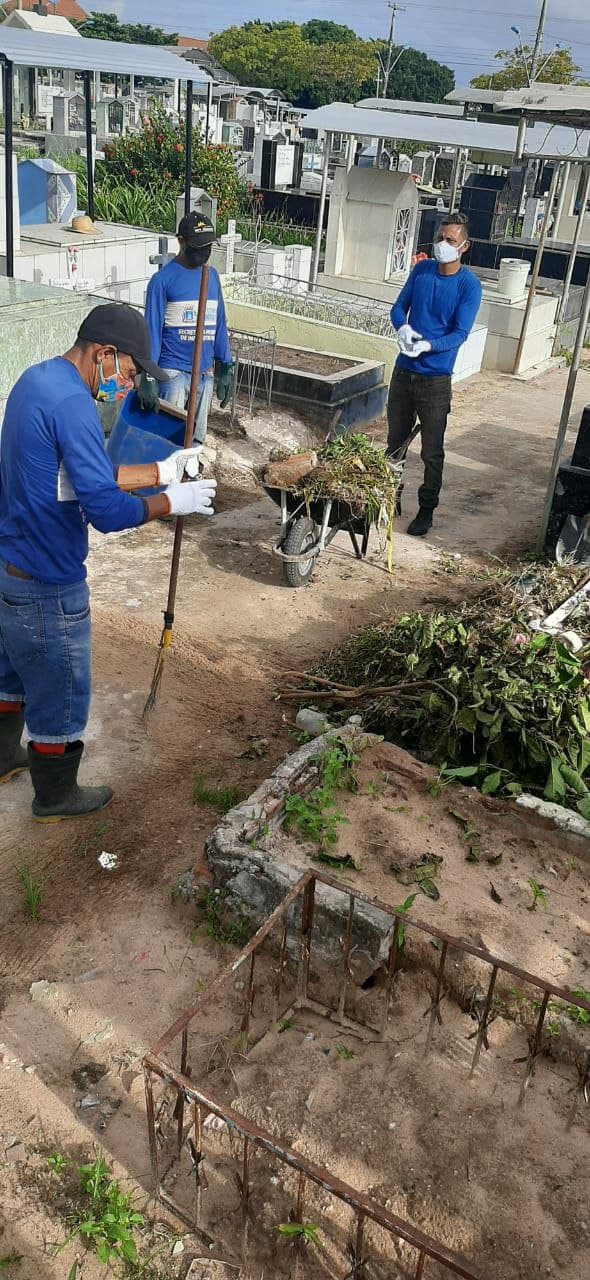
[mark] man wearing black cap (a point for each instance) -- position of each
(171, 306)
(55, 479)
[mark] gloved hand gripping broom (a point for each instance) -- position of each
(166, 637)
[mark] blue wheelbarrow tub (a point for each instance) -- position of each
(139, 438)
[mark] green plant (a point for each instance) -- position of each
(285, 1024)
(104, 1219)
(315, 816)
(218, 926)
(32, 890)
(404, 908)
(12, 1259)
(345, 1053)
(539, 894)
(474, 691)
(580, 1016)
(58, 1164)
(304, 1231)
(214, 795)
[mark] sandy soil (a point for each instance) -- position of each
(311, 361)
(237, 629)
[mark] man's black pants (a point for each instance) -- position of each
(414, 397)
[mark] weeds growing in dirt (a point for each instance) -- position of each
(580, 1016)
(315, 816)
(538, 893)
(218, 926)
(12, 1259)
(215, 796)
(405, 907)
(104, 1219)
(32, 890)
(304, 1231)
(345, 1053)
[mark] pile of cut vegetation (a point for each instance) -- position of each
(351, 470)
(473, 691)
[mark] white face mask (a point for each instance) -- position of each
(445, 252)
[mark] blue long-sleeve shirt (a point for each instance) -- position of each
(171, 305)
(55, 477)
(443, 309)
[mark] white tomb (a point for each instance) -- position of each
(371, 228)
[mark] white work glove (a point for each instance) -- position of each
(174, 467)
(406, 337)
(194, 498)
(419, 349)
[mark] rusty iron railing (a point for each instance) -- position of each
(202, 1102)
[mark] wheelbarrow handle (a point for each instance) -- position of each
(172, 411)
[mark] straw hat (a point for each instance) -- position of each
(84, 226)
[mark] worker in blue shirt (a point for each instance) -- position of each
(434, 315)
(171, 306)
(55, 480)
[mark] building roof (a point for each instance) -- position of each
(69, 9)
(205, 61)
(479, 137)
(37, 49)
(24, 20)
(420, 108)
(191, 42)
(564, 104)
(485, 97)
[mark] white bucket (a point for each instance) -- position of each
(512, 278)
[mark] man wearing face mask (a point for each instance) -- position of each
(171, 307)
(55, 480)
(433, 315)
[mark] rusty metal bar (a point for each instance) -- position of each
(483, 1022)
(356, 1200)
(581, 1091)
(152, 1136)
(534, 1049)
(245, 1196)
(198, 1158)
(179, 1109)
(420, 1266)
(232, 969)
(436, 1000)
(306, 928)
(359, 1262)
(391, 963)
(280, 969)
(346, 958)
(248, 1003)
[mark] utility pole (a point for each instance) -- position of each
(532, 72)
(395, 9)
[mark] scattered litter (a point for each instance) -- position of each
(88, 1101)
(420, 872)
(89, 1073)
(89, 976)
(108, 861)
(15, 1152)
(256, 751)
(312, 722)
(309, 1101)
(99, 1036)
(43, 990)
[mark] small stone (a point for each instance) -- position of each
(312, 722)
(15, 1153)
(391, 1126)
(43, 990)
(30, 1070)
(88, 1101)
(177, 1249)
(309, 1036)
(108, 861)
(309, 1101)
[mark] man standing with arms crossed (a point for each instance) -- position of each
(171, 316)
(55, 480)
(434, 315)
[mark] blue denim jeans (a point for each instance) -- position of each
(176, 392)
(45, 655)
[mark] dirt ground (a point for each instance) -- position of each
(123, 955)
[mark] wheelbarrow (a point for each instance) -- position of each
(307, 529)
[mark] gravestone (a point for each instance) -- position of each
(371, 224)
(229, 241)
(115, 116)
(130, 112)
(69, 114)
(46, 192)
(201, 202)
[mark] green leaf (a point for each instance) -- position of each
(463, 771)
(473, 855)
(584, 807)
(540, 641)
(584, 761)
(73, 1272)
(466, 719)
(555, 787)
(429, 888)
(491, 784)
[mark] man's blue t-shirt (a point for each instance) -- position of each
(171, 305)
(55, 477)
(443, 309)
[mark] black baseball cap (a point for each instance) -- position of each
(197, 230)
(120, 326)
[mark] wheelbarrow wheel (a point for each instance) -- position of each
(302, 534)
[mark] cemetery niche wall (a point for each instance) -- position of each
(371, 228)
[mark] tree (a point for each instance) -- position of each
(558, 68)
(106, 26)
(415, 76)
(311, 71)
(321, 31)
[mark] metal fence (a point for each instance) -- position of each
(293, 923)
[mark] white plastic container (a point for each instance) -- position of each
(512, 278)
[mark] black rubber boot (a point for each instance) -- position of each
(13, 757)
(420, 524)
(57, 794)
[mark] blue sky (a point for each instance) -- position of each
(462, 33)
